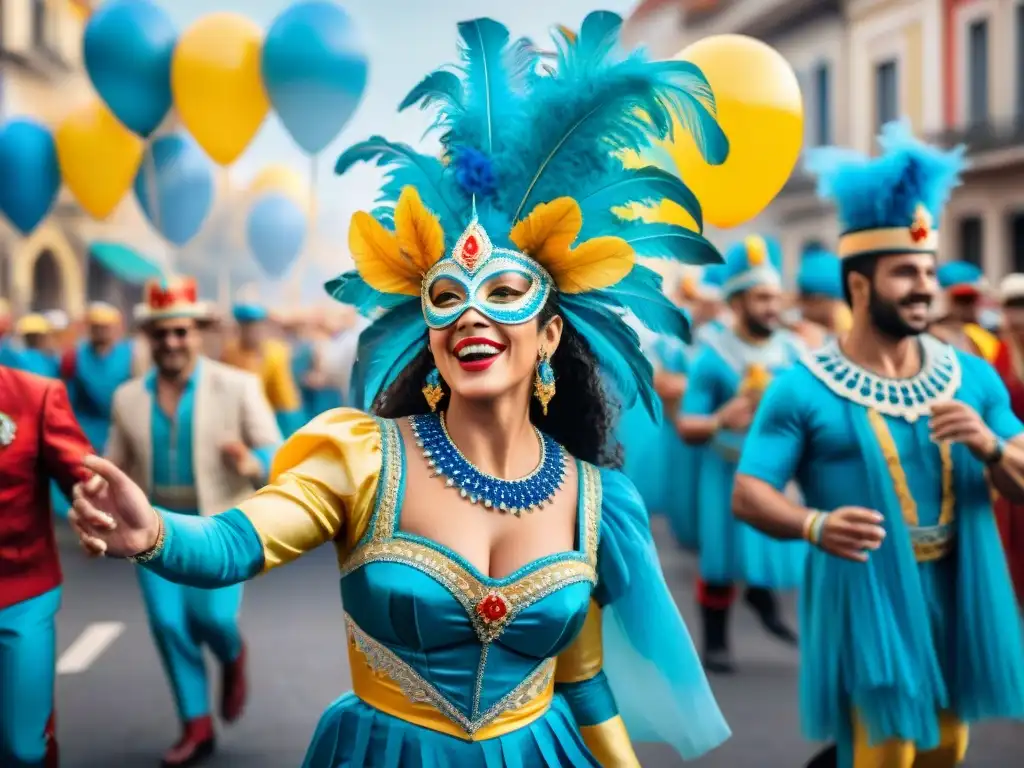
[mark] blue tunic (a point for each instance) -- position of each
(894, 638)
(442, 662)
(35, 361)
(93, 384)
(732, 551)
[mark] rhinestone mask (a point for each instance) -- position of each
(472, 264)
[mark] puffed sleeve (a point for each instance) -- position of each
(323, 486)
(653, 672)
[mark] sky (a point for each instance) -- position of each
(404, 39)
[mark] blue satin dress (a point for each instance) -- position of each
(451, 667)
(928, 624)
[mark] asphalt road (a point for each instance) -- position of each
(114, 707)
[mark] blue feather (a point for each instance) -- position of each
(385, 348)
(640, 292)
(667, 241)
(594, 105)
(351, 289)
(617, 349)
(646, 186)
(406, 167)
(441, 88)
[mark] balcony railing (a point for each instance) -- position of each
(984, 137)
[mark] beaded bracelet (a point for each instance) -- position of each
(148, 554)
(813, 527)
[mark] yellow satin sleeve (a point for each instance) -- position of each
(323, 486)
(608, 741)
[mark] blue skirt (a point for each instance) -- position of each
(352, 734)
(732, 551)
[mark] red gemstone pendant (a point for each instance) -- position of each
(492, 608)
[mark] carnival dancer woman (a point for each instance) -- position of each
(491, 621)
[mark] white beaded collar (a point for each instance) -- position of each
(908, 399)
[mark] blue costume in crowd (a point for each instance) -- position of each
(92, 377)
(732, 552)
(963, 281)
(900, 652)
(540, 667)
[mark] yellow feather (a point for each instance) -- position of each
(595, 264)
(549, 231)
(419, 232)
(757, 250)
(378, 258)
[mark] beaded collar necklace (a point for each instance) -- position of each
(514, 496)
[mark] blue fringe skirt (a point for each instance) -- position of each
(352, 734)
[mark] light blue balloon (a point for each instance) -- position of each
(276, 232)
(127, 50)
(183, 185)
(29, 173)
(314, 69)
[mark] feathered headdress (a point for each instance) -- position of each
(891, 203)
(527, 181)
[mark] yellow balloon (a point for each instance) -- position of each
(761, 112)
(217, 86)
(98, 157)
(282, 180)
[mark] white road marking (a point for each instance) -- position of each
(88, 647)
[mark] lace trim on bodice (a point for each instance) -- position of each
(419, 690)
(908, 399)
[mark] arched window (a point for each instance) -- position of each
(47, 283)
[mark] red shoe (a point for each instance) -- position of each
(234, 688)
(196, 744)
(52, 759)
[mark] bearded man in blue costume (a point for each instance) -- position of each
(726, 383)
(908, 621)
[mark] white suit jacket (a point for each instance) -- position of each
(229, 405)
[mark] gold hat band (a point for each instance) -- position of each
(886, 240)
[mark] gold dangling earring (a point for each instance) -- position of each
(432, 391)
(544, 381)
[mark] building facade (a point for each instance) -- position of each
(953, 68)
(41, 76)
(983, 77)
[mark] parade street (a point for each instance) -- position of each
(114, 708)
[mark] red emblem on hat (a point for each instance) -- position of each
(921, 227)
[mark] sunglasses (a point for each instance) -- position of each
(162, 334)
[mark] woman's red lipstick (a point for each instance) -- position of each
(477, 364)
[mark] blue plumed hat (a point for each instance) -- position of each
(961, 277)
(531, 173)
(820, 274)
(889, 204)
(754, 261)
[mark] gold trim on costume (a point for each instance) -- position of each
(386, 682)
(582, 660)
(888, 239)
(929, 542)
(382, 525)
(609, 742)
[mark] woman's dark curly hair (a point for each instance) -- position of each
(581, 417)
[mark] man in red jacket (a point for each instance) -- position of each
(39, 440)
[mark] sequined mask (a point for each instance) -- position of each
(475, 263)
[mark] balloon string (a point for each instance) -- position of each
(224, 275)
(152, 190)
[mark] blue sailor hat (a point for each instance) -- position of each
(961, 277)
(249, 313)
(754, 261)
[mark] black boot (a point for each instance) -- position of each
(827, 758)
(717, 660)
(766, 606)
